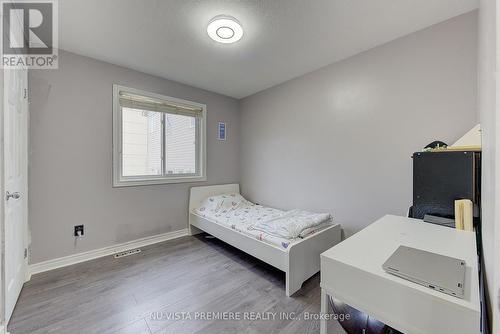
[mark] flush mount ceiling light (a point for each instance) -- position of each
(225, 29)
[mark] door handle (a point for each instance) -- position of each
(14, 195)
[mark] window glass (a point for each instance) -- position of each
(141, 142)
(180, 144)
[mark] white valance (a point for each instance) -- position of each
(134, 101)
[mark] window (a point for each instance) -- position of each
(156, 139)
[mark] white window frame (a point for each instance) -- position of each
(123, 181)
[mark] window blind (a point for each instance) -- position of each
(134, 101)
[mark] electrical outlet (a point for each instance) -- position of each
(79, 232)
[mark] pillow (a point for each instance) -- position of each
(220, 203)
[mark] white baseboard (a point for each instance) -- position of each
(106, 251)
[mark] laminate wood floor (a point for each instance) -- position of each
(183, 278)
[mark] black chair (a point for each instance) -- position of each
(359, 322)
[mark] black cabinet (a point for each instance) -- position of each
(439, 178)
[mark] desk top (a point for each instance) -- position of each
(368, 249)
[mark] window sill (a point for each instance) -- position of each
(153, 181)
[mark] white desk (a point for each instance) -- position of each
(352, 272)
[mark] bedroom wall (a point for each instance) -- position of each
(70, 172)
(487, 98)
(340, 139)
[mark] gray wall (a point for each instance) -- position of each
(70, 170)
(339, 139)
(491, 153)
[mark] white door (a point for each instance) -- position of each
(16, 186)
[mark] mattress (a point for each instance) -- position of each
(235, 212)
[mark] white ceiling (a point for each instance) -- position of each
(283, 38)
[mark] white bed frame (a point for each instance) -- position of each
(300, 261)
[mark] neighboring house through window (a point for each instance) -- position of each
(156, 139)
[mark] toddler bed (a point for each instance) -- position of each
(290, 241)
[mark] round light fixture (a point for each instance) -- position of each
(225, 29)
